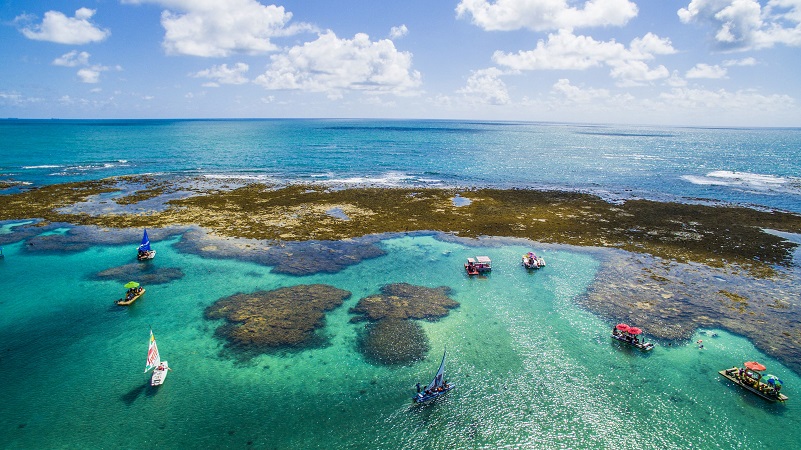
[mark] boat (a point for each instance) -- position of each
(134, 292)
(749, 378)
(143, 252)
(532, 261)
(477, 265)
(438, 386)
(629, 335)
(154, 363)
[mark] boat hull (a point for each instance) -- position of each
(422, 397)
(159, 375)
(150, 254)
(124, 302)
(644, 346)
(731, 375)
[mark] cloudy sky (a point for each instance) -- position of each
(656, 62)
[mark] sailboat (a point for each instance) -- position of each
(437, 387)
(155, 363)
(144, 252)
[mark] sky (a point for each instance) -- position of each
(649, 62)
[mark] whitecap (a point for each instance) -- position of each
(43, 166)
(747, 181)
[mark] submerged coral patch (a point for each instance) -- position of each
(405, 301)
(291, 258)
(145, 273)
(285, 317)
(394, 342)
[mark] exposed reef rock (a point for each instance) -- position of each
(401, 301)
(394, 342)
(145, 273)
(292, 258)
(282, 318)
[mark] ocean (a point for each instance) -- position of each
(532, 369)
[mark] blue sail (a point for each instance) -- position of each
(145, 247)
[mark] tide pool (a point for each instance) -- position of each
(532, 370)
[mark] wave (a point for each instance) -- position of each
(79, 168)
(43, 166)
(747, 181)
(386, 179)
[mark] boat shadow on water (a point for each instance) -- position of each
(144, 389)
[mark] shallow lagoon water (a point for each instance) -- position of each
(532, 369)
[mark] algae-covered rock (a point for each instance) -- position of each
(394, 342)
(285, 317)
(405, 301)
(145, 273)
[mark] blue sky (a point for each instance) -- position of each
(656, 62)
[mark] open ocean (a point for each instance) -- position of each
(532, 369)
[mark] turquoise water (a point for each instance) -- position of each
(532, 370)
(751, 166)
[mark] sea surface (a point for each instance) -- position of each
(532, 369)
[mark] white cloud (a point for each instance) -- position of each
(91, 74)
(740, 62)
(334, 65)
(702, 70)
(72, 59)
(398, 32)
(58, 28)
(543, 15)
(722, 100)
(575, 94)
(745, 25)
(566, 51)
(224, 75)
(214, 28)
(485, 86)
(676, 80)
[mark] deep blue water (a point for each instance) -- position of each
(749, 166)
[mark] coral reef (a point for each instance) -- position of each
(393, 342)
(402, 301)
(281, 318)
(145, 273)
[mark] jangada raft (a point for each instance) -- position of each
(143, 252)
(134, 292)
(532, 261)
(436, 388)
(478, 265)
(749, 378)
(155, 363)
(630, 335)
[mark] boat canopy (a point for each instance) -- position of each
(483, 259)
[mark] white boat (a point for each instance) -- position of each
(478, 265)
(532, 261)
(437, 387)
(154, 363)
(144, 252)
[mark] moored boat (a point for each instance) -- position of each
(134, 292)
(438, 386)
(144, 252)
(532, 261)
(477, 265)
(154, 363)
(750, 378)
(630, 335)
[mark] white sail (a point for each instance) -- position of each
(153, 358)
(439, 377)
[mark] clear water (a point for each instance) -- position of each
(532, 370)
(741, 165)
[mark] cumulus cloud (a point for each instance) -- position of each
(57, 27)
(566, 51)
(91, 74)
(740, 62)
(224, 75)
(398, 32)
(702, 70)
(213, 28)
(745, 24)
(485, 86)
(543, 15)
(72, 59)
(333, 65)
